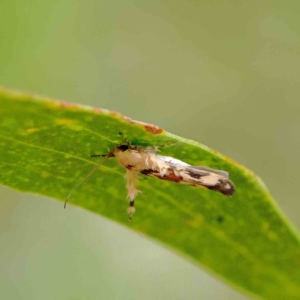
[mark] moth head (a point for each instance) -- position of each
(123, 147)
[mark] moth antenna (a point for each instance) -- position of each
(156, 148)
(166, 145)
(87, 176)
(123, 136)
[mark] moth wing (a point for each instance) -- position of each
(216, 180)
(150, 149)
(219, 172)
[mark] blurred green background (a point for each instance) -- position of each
(224, 73)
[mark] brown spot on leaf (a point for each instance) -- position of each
(100, 110)
(149, 127)
(65, 104)
(153, 128)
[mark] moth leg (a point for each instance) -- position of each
(166, 145)
(132, 180)
(154, 149)
(131, 209)
(98, 155)
(108, 155)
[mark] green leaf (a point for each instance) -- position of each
(46, 147)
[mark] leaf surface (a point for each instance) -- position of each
(46, 147)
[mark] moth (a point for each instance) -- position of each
(144, 160)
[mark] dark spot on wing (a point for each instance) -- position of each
(199, 173)
(147, 171)
(196, 173)
(170, 176)
(221, 187)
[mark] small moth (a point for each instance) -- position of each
(144, 160)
